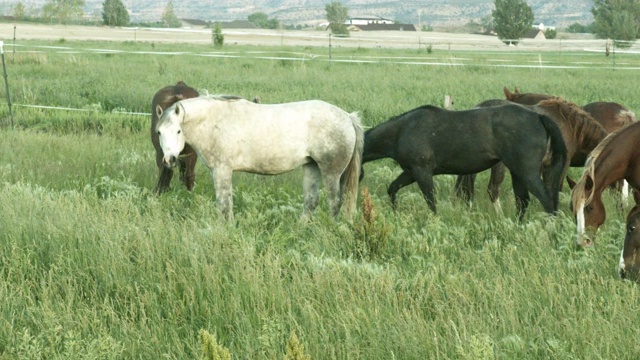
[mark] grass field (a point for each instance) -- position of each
(93, 265)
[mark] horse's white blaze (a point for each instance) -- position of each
(580, 221)
(621, 265)
(171, 140)
(625, 192)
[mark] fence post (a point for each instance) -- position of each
(6, 82)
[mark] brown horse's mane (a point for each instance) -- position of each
(587, 131)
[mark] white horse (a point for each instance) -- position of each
(231, 134)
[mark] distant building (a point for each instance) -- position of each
(535, 34)
(375, 23)
(367, 20)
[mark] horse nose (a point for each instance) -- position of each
(170, 161)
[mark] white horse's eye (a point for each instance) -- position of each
(179, 131)
(158, 132)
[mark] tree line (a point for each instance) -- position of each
(618, 20)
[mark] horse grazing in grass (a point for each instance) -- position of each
(629, 267)
(580, 132)
(233, 134)
(612, 116)
(616, 157)
(164, 98)
(428, 141)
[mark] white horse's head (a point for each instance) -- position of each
(169, 131)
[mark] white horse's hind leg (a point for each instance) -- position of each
(311, 187)
(224, 194)
(334, 196)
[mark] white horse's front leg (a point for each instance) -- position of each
(224, 193)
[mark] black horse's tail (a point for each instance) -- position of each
(554, 172)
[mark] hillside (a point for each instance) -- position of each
(432, 12)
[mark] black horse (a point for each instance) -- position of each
(429, 141)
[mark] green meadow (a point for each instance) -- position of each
(93, 265)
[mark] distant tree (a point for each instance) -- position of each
(169, 18)
(262, 21)
(114, 13)
(618, 20)
(487, 23)
(512, 19)
(550, 33)
(578, 28)
(19, 11)
(259, 19)
(216, 35)
(63, 11)
(337, 14)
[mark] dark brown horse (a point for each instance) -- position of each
(428, 141)
(580, 132)
(629, 267)
(164, 98)
(616, 157)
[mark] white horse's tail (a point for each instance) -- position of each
(351, 175)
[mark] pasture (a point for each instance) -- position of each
(94, 265)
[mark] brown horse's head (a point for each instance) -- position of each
(524, 98)
(629, 267)
(588, 209)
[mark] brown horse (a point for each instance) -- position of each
(612, 116)
(616, 157)
(580, 132)
(164, 98)
(629, 267)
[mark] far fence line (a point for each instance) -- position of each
(312, 38)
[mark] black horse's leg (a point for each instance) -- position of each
(406, 178)
(521, 194)
(424, 177)
(497, 177)
(464, 186)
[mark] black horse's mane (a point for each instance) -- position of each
(423, 107)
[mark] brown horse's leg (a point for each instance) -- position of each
(164, 177)
(187, 167)
(464, 186)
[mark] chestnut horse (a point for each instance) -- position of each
(629, 267)
(616, 157)
(580, 132)
(164, 98)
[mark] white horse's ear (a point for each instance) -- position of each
(158, 111)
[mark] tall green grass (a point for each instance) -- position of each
(93, 265)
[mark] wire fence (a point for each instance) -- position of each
(431, 42)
